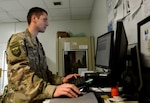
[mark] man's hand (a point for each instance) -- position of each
(66, 79)
(69, 90)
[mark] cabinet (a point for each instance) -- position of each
(74, 53)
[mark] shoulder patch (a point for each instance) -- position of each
(15, 49)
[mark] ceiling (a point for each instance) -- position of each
(16, 10)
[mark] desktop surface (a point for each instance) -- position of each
(91, 97)
(86, 98)
(93, 93)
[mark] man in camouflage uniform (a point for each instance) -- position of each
(29, 79)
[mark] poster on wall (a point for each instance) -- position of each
(144, 41)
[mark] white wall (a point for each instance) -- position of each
(48, 39)
(99, 19)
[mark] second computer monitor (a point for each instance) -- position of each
(104, 51)
(120, 52)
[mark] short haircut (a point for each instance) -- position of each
(35, 11)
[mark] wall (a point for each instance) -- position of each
(99, 19)
(48, 39)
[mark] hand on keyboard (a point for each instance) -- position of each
(80, 81)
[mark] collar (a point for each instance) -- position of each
(34, 40)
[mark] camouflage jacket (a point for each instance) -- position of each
(29, 79)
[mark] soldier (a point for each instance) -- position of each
(29, 79)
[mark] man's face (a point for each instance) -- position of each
(42, 22)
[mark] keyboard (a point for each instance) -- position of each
(105, 89)
(80, 81)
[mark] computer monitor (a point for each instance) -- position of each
(133, 77)
(119, 53)
(136, 63)
(104, 51)
(111, 52)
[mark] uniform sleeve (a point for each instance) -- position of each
(55, 79)
(22, 81)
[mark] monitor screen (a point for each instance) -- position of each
(104, 50)
(120, 52)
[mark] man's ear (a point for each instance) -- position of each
(33, 18)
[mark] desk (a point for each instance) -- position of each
(86, 98)
(90, 97)
(126, 102)
(106, 94)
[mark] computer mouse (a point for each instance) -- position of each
(81, 94)
(81, 89)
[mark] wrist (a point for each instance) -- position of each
(63, 80)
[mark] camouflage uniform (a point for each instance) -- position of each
(29, 79)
